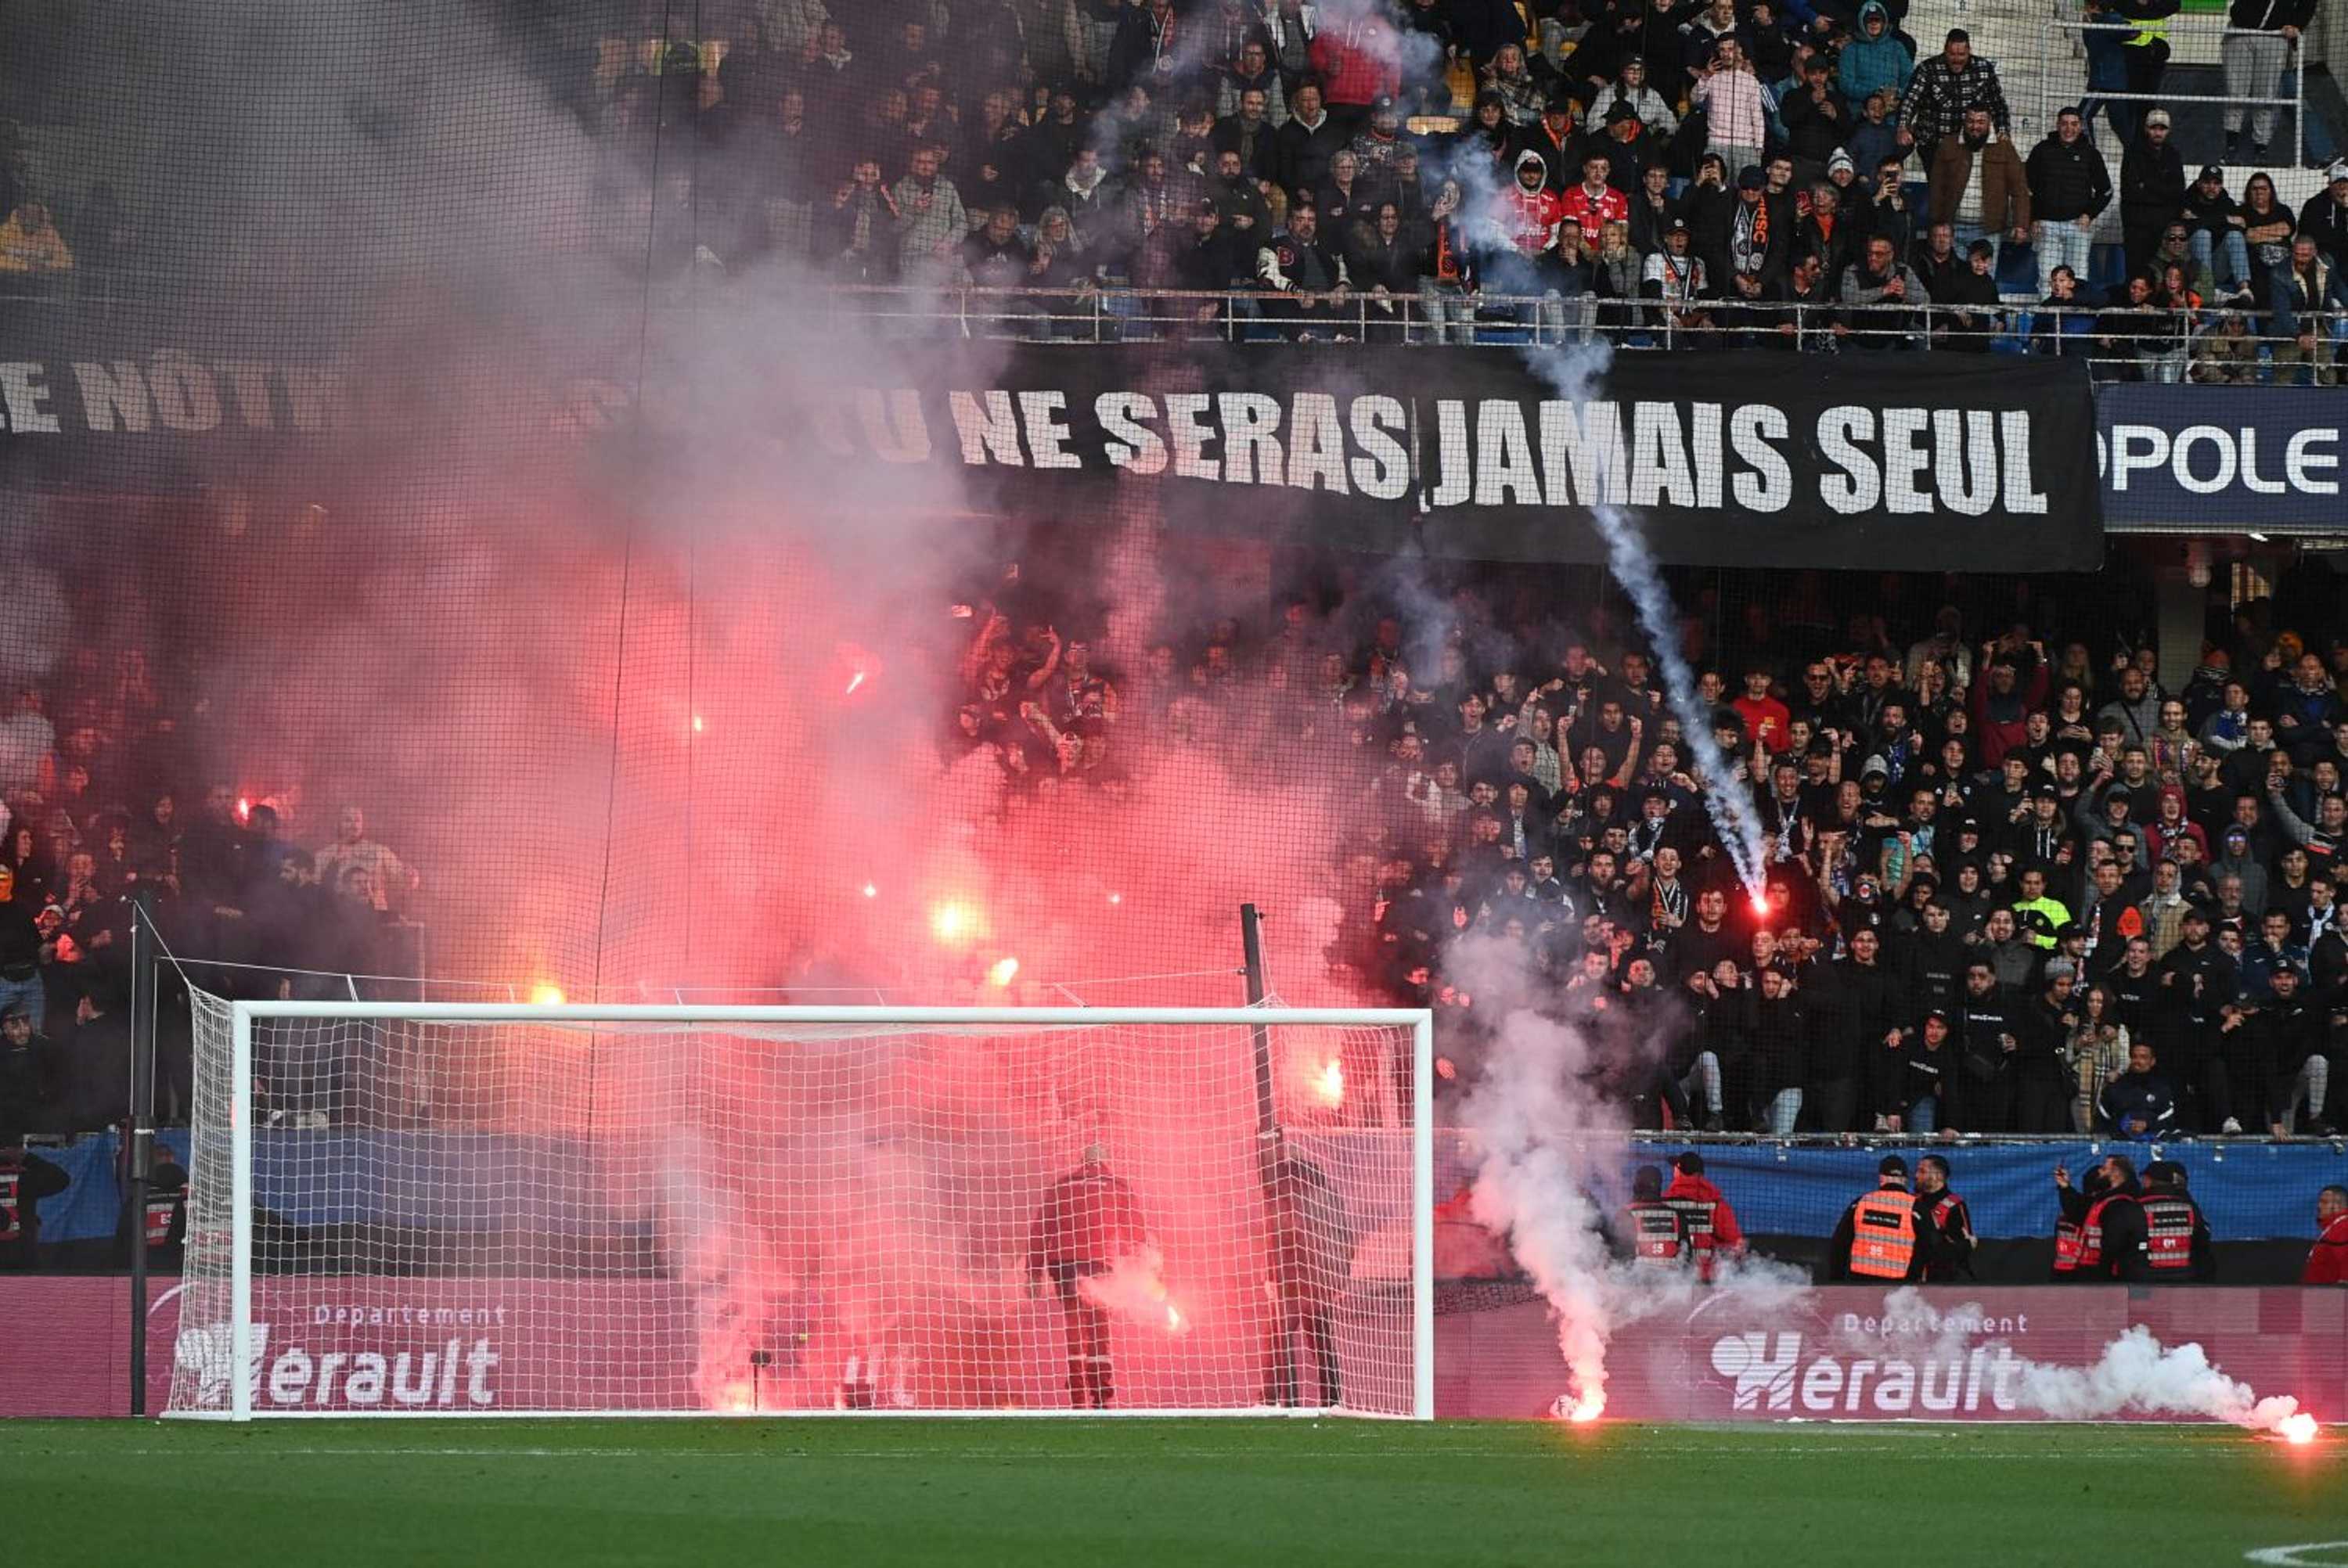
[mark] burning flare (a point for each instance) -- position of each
(2298, 1429)
(1329, 1083)
(545, 995)
(952, 921)
(1003, 972)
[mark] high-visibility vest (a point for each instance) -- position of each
(1883, 1234)
(1658, 1233)
(2079, 1248)
(12, 1217)
(2147, 33)
(2168, 1220)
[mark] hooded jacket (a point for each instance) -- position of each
(1869, 63)
(1529, 217)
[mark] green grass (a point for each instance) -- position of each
(1110, 1493)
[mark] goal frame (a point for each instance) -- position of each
(1420, 1022)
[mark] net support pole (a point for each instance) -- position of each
(140, 1164)
(240, 1186)
(1267, 1124)
(1422, 1218)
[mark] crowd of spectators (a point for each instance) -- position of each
(1685, 171)
(101, 818)
(2012, 884)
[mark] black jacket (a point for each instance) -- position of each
(35, 1179)
(2068, 181)
(2152, 182)
(1945, 1237)
(2123, 1255)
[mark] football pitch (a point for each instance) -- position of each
(1028, 1493)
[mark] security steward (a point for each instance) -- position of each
(1875, 1240)
(1088, 1222)
(2177, 1244)
(1655, 1228)
(2101, 1235)
(25, 1180)
(1944, 1226)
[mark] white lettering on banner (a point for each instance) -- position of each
(1045, 432)
(1857, 488)
(1451, 454)
(1383, 472)
(1769, 1371)
(1316, 449)
(2300, 461)
(409, 1316)
(22, 390)
(1252, 453)
(1903, 459)
(114, 395)
(1131, 443)
(1191, 437)
(2207, 459)
(457, 1373)
(1769, 487)
(1504, 456)
(1506, 452)
(988, 426)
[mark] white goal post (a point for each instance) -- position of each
(453, 1209)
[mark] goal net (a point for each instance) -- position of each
(453, 1210)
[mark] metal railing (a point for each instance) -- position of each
(2076, 38)
(2219, 343)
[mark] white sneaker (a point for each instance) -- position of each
(2232, 1125)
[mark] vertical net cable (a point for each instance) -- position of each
(793, 1218)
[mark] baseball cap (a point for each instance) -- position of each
(2211, 171)
(1751, 178)
(1384, 105)
(1615, 116)
(2158, 117)
(2339, 169)
(1892, 1165)
(1678, 226)
(1876, 765)
(2046, 792)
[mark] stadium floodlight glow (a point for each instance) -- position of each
(411, 1208)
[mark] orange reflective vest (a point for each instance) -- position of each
(1883, 1234)
(1658, 1233)
(2168, 1220)
(2079, 1248)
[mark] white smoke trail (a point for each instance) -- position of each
(1574, 372)
(1552, 1156)
(2136, 1374)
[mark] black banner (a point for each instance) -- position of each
(1938, 461)
(1916, 461)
